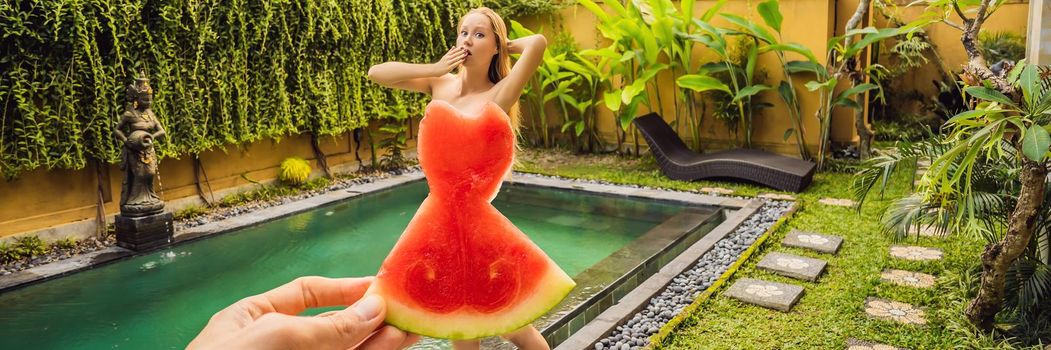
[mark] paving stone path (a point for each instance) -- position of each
(782, 296)
(895, 311)
(813, 241)
(777, 296)
(915, 253)
(839, 202)
(716, 190)
(855, 344)
(793, 266)
(907, 278)
(777, 196)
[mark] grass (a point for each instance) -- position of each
(831, 309)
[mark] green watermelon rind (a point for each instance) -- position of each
(424, 325)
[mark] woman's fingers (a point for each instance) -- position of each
(303, 293)
(351, 326)
(343, 330)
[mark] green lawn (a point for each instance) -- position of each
(831, 310)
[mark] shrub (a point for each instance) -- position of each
(294, 171)
(8, 253)
(998, 46)
(30, 246)
(67, 243)
(190, 212)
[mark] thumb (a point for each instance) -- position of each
(350, 326)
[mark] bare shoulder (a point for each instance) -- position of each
(441, 84)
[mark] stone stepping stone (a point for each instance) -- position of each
(855, 344)
(716, 190)
(777, 196)
(793, 266)
(915, 253)
(773, 295)
(813, 241)
(907, 278)
(839, 202)
(927, 231)
(891, 310)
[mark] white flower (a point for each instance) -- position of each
(812, 239)
(763, 291)
(792, 263)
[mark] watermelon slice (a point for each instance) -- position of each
(461, 270)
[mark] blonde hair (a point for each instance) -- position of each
(500, 66)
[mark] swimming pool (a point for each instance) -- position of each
(162, 299)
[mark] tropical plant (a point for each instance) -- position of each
(8, 253)
(725, 108)
(742, 83)
(671, 27)
(294, 171)
(569, 80)
(972, 14)
(395, 142)
(770, 12)
(988, 177)
(639, 62)
(30, 246)
(1004, 45)
(841, 59)
(65, 243)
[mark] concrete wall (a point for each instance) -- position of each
(64, 203)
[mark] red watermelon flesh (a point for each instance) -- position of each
(462, 270)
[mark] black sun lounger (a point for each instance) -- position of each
(680, 163)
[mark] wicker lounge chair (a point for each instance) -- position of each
(680, 163)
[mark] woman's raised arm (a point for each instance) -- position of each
(413, 76)
(510, 87)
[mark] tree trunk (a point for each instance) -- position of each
(997, 257)
(854, 72)
(976, 66)
(322, 160)
(100, 205)
(864, 133)
(198, 170)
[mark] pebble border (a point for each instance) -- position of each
(689, 286)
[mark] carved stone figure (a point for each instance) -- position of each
(137, 130)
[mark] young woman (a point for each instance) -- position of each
(483, 74)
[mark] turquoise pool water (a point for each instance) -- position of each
(162, 299)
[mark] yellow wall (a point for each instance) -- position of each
(42, 201)
(808, 22)
(1012, 16)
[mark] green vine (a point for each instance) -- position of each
(224, 72)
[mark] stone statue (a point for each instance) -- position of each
(137, 130)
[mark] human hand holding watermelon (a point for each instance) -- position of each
(270, 321)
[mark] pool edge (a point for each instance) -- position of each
(99, 258)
